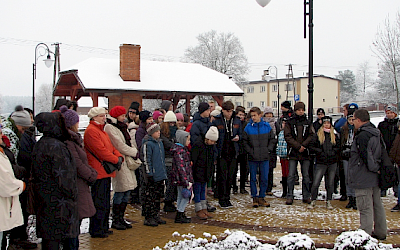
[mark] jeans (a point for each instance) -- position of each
(120, 197)
(199, 189)
(319, 172)
(372, 212)
(349, 191)
(181, 202)
(263, 167)
(305, 165)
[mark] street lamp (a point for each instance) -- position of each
(268, 77)
(310, 14)
(48, 62)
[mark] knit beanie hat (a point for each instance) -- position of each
(179, 116)
(117, 111)
(268, 110)
(391, 108)
(212, 133)
(203, 107)
(135, 106)
(181, 136)
(326, 118)
(71, 117)
(95, 111)
(170, 117)
(22, 118)
(299, 105)
(144, 115)
(286, 104)
(152, 128)
(165, 105)
(320, 110)
(157, 114)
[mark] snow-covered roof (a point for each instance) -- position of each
(103, 73)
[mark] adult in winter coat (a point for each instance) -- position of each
(366, 152)
(325, 143)
(346, 140)
(168, 131)
(145, 118)
(298, 133)
(10, 189)
(133, 125)
(229, 131)
(125, 179)
(98, 148)
(86, 174)
(55, 184)
(201, 122)
(259, 140)
(181, 174)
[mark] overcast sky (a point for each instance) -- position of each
(343, 33)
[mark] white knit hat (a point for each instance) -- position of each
(212, 133)
(95, 111)
(170, 117)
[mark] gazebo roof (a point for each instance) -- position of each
(102, 75)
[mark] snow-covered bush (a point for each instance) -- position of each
(295, 241)
(358, 240)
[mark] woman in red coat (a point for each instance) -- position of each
(99, 148)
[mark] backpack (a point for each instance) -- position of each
(387, 170)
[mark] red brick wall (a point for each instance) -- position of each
(124, 99)
(129, 64)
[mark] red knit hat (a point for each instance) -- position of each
(117, 111)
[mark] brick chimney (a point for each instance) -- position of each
(129, 62)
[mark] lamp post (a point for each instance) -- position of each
(277, 79)
(310, 15)
(48, 62)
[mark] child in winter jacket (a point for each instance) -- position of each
(154, 174)
(182, 175)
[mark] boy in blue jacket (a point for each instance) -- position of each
(154, 174)
(259, 141)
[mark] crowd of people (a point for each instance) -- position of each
(160, 156)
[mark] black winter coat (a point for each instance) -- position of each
(202, 156)
(235, 127)
(54, 177)
(199, 127)
(389, 128)
(298, 132)
(27, 143)
(327, 153)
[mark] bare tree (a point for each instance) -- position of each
(363, 78)
(44, 98)
(387, 48)
(222, 52)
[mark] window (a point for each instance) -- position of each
(249, 105)
(262, 104)
(275, 104)
(274, 88)
(288, 87)
(262, 89)
(250, 89)
(238, 104)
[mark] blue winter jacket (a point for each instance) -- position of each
(199, 128)
(153, 156)
(259, 140)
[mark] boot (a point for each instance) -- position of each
(255, 202)
(200, 211)
(181, 218)
(351, 201)
(354, 203)
(204, 206)
(122, 213)
(169, 206)
(116, 217)
(210, 208)
(284, 187)
(263, 203)
(150, 222)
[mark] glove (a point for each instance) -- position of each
(190, 185)
(119, 163)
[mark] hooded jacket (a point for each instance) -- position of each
(235, 128)
(10, 189)
(365, 156)
(389, 128)
(202, 156)
(86, 176)
(259, 140)
(55, 180)
(153, 158)
(298, 132)
(181, 166)
(199, 127)
(125, 179)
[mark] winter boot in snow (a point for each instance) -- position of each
(123, 208)
(116, 217)
(181, 218)
(351, 201)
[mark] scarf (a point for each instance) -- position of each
(123, 127)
